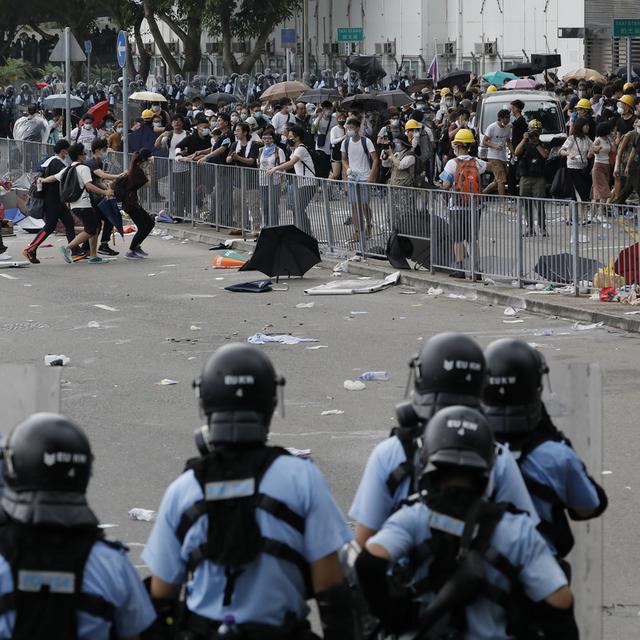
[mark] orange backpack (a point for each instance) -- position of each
(467, 178)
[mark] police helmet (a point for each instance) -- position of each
(450, 369)
(457, 437)
(238, 394)
(513, 395)
(47, 452)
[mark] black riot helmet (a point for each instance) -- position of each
(457, 438)
(513, 395)
(450, 369)
(238, 395)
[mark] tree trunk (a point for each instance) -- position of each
(190, 38)
(228, 59)
(145, 56)
(247, 64)
(174, 67)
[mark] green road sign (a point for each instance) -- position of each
(350, 34)
(624, 28)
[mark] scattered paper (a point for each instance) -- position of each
(513, 321)
(409, 292)
(511, 311)
(262, 338)
(93, 325)
(305, 305)
(586, 327)
(607, 473)
(457, 296)
(195, 327)
(166, 382)
(435, 291)
(354, 385)
(299, 453)
(104, 307)
(318, 346)
(358, 313)
(167, 237)
(332, 412)
(351, 287)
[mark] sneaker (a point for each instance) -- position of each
(30, 256)
(66, 254)
(132, 255)
(106, 250)
(76, 257)
(140, 251)
(3, 248)
(97, 260)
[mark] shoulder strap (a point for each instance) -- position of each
(405, 469)
(306, 166)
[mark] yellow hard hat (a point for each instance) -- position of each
(147, 114)
(583, 104)
(464, 136)
(412, 124)
(628, 100)
(445, 92)
(627, 85)
(535, 125)
(492, 88)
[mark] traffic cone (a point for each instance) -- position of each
(222, 262)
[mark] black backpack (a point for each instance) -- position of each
(314, 159)
(70, 189)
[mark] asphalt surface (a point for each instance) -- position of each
(142, 432)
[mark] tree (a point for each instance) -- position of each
(246, 19)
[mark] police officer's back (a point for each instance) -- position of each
(555, 475)
(450, 369)
(252, 531)
(59, 579)
(461, 560)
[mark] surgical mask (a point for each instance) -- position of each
(327, 113)
(157, 123)
(448, 102)
(108, 124)
(394, 122)
(421, 106)
(574, 116)
(88, 126)
(206, 131)
(352, 134)
(243, 116)
(620, 110)
(234, 119)
(341, 123)
(118, 129)
(398, 146)
(189, 114)
(581, 94)
(155, 108)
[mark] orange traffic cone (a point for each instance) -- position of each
(220, 262)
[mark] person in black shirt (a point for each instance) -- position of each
(518, 130)
(196, 146)
(54, 210)
(138, 177)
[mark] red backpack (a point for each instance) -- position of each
(467, 178)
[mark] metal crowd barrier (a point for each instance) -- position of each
(521, 240)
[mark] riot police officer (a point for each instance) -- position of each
(252, 530)
(468, 557)
(59, 577)
(553, 472)
(450, 369)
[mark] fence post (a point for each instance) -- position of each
(325, 185)
(576, 238)
(472, 248)
(361, 227)
(243, 202)
(430, 206)
(192, 189)
(390, 206)
(520, 205)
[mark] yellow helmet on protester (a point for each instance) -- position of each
(584, 103)
(147, 114)
(492, 88)
(464, 136)
(412, 124)
(628, 100)
(445, 92)
(535, 125)
(627, 85)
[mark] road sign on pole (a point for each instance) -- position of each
(350, 34)
(627, 28)
(121, 56)
(75, 50)
(288, 38)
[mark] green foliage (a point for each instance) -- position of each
(16, 70)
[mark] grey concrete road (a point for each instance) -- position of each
(142, 432)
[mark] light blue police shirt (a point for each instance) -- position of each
(269, 587)
(373, 503)
(557, 465)
(515, 537)
(108, 573)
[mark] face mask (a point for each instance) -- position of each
(243, 116)
(394, 122)
(421, 107)
(155, 109)
(448, 102)
(398, 146)
(620, 110)
(206, 131)
(341, 122)
(88, 126)
(157, 123)
(234, 119)
(352, 134)
(119, 130)
(109, 124)
(580, 94)
(289, 142)
(189, 114)
(574, 116)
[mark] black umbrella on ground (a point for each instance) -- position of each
(217, 98)
(523, 69)
(364, 101)
(559, 268)
(455, 77)
(319, 95)
(283, 251)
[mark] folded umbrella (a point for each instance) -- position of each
(283, 251)
(110, 211)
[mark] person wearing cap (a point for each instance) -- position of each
(532, 156)
(85, 133)
(626, 116)
(497, 139)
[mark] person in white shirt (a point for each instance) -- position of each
(282, 118)
(82, 206)
(576, 149)
(270, 156)
(84, 133)
(497, 138)
(600, 151)
(337, 136)
(179, 187)
(359, 165)
(302, 163)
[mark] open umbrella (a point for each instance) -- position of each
(59, 101)
(455, 77)
(621, 72)
(320, 95)
(498, 78)
(99, 111)
(559, 268)
(147, 96)
(395, 98)
(583, 74)
(420, 84)
(367, 67)
(289, 89)
(523, 69)
(217, 98)
(628, 264)
(521, 83)
(364, 101)
(283, 251)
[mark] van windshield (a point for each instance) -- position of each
(544, 110)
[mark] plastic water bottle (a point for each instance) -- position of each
(228, 628)
(146, 515)
(374, 375)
